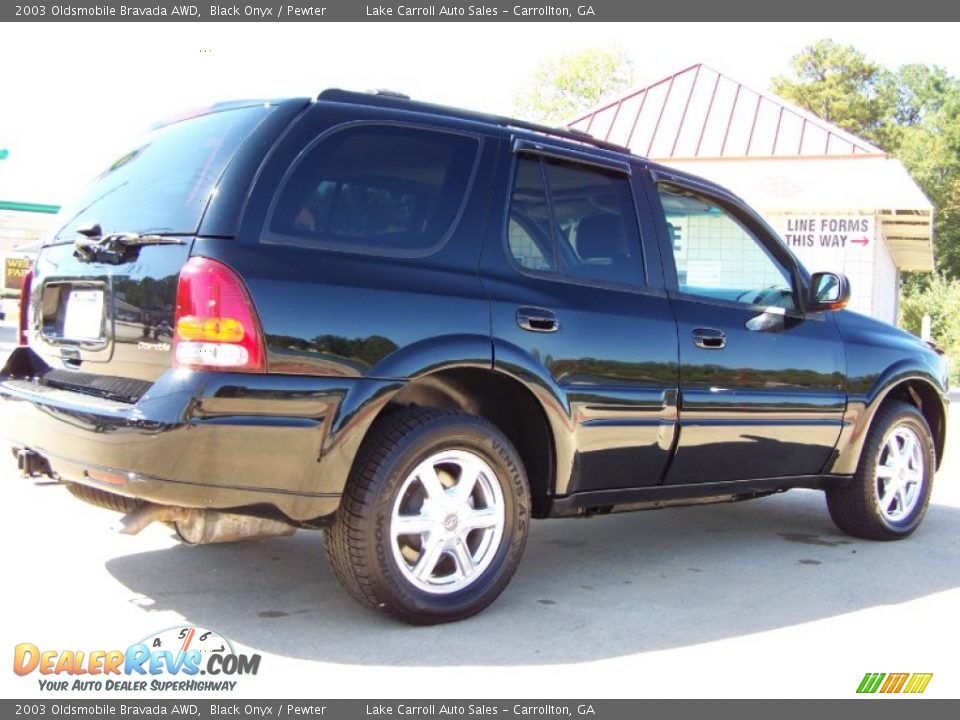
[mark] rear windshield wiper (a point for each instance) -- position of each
(114, 248)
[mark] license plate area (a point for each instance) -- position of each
(75, 313)
(83, 319)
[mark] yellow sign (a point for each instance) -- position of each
(14, 271)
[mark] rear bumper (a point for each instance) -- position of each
(195, 439)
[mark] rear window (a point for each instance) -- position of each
(378, 189)
(162, 185)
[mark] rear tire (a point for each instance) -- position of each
(889, 494)
(434, 518)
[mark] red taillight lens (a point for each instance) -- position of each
(23, 335)
(216, 326)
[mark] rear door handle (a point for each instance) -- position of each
(709, 338)
(537, 320)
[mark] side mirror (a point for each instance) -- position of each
(828, 291)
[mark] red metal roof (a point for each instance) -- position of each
(700, 112)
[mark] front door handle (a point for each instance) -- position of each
(709, 338)
(537, 320)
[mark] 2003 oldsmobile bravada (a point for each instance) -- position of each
(417, 328)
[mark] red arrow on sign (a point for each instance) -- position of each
(864, 241)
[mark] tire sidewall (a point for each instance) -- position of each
(915, 422)
(473, 436)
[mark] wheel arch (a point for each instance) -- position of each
(458, 373)
(920, 393)
(502, 400)
(901, 382)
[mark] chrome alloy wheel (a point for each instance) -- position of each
(900, 474)
(447, 522)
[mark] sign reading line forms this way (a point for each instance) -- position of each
(846, 233)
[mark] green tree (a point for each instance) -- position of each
(838, 83)
(927, 141)
(562, 87)
(913, 113)
(920, 90)
(941, 300)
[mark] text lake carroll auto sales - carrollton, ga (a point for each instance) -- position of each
(159, 661)
(489, 709)
(441, 10)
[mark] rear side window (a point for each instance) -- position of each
(385, 190)
(574, 221)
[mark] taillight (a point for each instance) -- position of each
(23, 337)
(216, 325)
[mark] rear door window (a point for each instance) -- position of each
(529, 233)
(575, 221)
(380, 189)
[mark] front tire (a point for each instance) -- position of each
(434, 518)
(889, 494)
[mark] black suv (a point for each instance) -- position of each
(417, 328)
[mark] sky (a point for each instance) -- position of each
(73, 96)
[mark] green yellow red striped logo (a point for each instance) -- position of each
(913, 683)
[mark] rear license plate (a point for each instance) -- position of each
(84, 316)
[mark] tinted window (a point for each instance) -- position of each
(387, 189)
(717, 257)
(587, 229)
(162, 184)
(528, 233)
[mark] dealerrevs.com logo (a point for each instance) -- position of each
(172, 659)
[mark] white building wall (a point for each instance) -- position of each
(824, 242)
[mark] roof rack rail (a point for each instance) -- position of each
(387, 98)
(386, 92)
(580, 136)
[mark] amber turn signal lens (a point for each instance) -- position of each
(210, 329)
